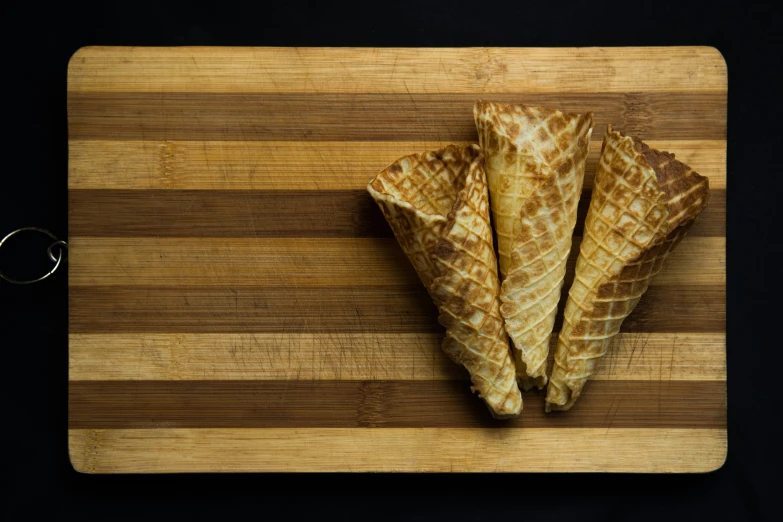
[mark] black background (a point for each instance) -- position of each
(38, 43)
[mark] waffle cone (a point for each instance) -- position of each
(438, 208)
(535, 162)
(644, 201)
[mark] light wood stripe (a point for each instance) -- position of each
(277, 213)
(386, 404)
(355, 70)
(370, 117)
(332, 309)
(402, 449)
(232, 356)
(292, 165)
(310, 262)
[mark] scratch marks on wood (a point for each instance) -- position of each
(170, 175)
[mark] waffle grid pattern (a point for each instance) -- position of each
(415, 194)
(537, 159)
(628, 234)
(521, 145)
(531, 293)
(452, 251)
(466, 294)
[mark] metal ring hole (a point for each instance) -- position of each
(56, 260)
(63, 246)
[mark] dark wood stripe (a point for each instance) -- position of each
(386, 404)
(258, 214)
(229, 213)
(367, 117)
(389, 309)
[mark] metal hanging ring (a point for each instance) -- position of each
(59, 243)
(56, 260)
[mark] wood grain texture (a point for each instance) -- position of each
(235, 262)
(238, 303)
(372, 117)
(379, 404)
(397, 449)
(360, 70)
(368, 357)
(259, 214)
(334, 309)
(293, 165)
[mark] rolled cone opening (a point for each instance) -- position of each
(416, 193)
(535, 161)
(438, 208)
(643, 203)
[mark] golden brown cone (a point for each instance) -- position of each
(437, 204)
(535, 162)
(643, 203)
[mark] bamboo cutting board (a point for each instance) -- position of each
(238, 303)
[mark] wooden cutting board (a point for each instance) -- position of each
(238, 303)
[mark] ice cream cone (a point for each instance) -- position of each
(535, 162)
(437, 205)
(642, 205)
